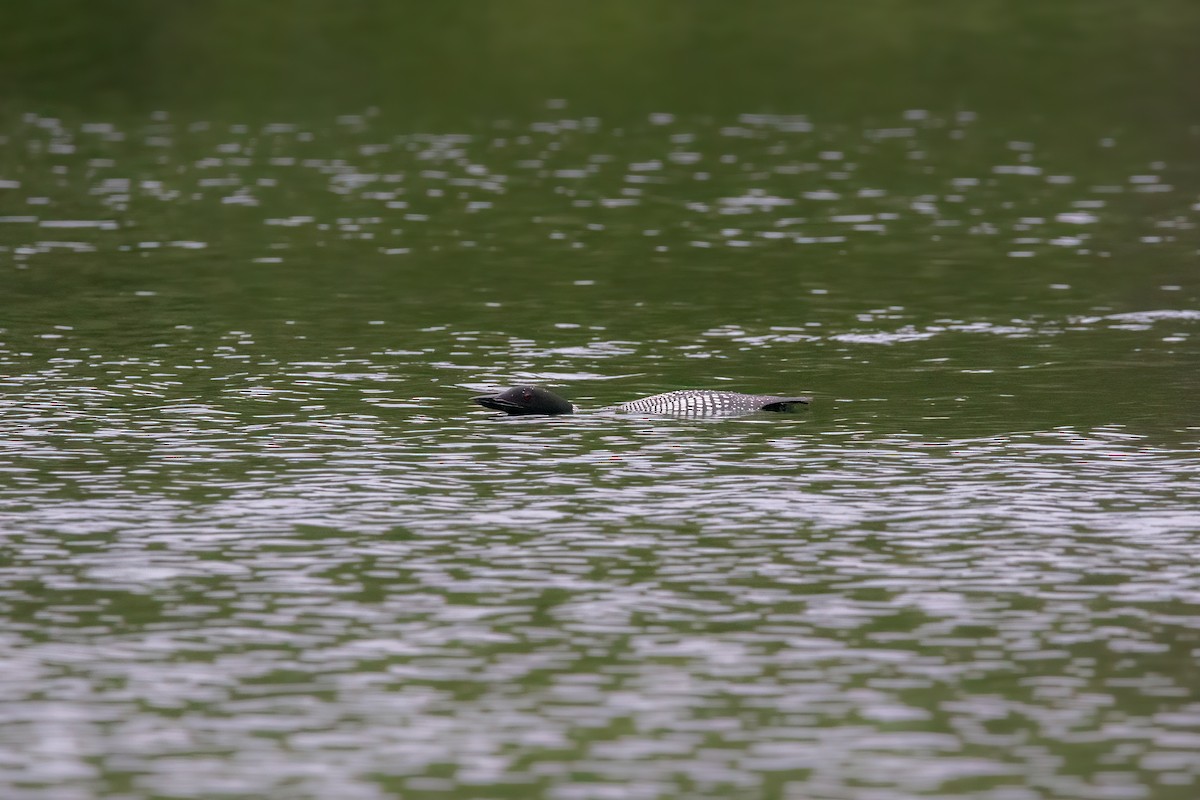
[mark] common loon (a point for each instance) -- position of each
(687, 403)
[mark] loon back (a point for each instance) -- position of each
(522, 400)
(707, 403)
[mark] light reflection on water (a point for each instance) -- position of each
(405, 192)
(571, 602)
(258, 543)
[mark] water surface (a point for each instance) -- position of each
(257, 542)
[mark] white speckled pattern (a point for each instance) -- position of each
(705, 403)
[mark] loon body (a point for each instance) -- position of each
(522, 400)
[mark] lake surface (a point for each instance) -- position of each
(256, 542)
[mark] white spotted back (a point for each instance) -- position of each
(702, 403)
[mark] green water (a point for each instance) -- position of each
(255, 541)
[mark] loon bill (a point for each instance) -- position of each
(522, 400)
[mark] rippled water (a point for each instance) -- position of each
(257, 543)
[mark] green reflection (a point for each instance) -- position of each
(455, 59)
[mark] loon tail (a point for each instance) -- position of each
(786, 403)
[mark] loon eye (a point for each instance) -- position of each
(527, 395)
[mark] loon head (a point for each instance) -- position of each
(525, 400)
